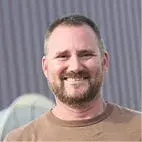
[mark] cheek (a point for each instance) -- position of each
(55, 70)
(94, 67)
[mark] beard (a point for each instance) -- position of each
(80, 98)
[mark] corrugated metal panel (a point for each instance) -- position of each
(22, 28)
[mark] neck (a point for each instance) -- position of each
(90, 110)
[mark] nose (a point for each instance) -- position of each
(74, 64)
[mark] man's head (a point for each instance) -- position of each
(75, 60)
(73, 20)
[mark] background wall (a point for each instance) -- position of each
(22, 28)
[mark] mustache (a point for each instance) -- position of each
(80, 74)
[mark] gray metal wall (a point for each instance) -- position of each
(22, 29)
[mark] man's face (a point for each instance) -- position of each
(74, 66)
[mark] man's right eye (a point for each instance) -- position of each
(62, 57)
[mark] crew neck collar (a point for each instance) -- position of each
(80, 123)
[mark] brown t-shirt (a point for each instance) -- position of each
(114, 124)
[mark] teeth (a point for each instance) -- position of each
(75, 79)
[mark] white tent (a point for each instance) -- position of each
(24, 109)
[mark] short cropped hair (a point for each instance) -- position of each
(74, 20)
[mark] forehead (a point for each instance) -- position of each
(65, 37)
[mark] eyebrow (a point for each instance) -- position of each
(62, 52)
(78, 52)
(82, 50)
(85, 50)
(93, 52)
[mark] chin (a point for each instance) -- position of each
(77, 93)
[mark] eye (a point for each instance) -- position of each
(62, 57)
(86, 55)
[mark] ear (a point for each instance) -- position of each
(105, 61)
(44, 66)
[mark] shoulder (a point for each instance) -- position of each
(123, 114)
(125, 111)
(126, 121)
(127, 118)
(17, 134)
(26, 132)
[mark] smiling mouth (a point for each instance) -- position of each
(75, 79)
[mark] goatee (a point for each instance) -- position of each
(84, 97)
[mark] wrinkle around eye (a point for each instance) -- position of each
(61, 57)
(87, 56)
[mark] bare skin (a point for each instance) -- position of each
(75, 49)
(90, 110)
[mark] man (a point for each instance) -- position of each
(74, 63)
